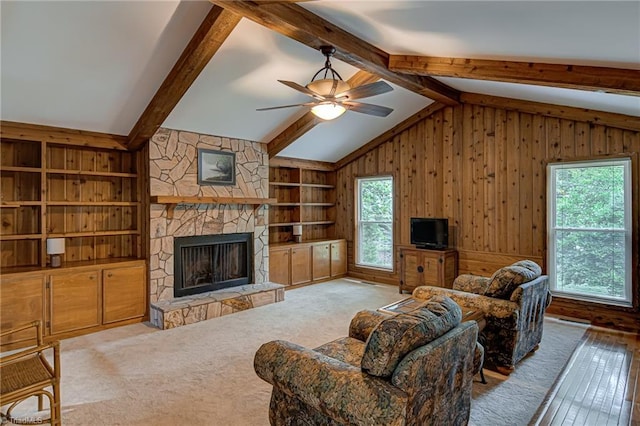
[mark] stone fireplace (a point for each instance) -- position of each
(173, 170)
(212, 262)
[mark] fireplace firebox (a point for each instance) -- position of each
(212, 262)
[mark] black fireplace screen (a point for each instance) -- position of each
(212, 262)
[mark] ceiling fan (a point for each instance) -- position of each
(332, 96)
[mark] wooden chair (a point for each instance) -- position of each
(27, 373)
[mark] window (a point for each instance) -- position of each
(374, 223)
(589, 230)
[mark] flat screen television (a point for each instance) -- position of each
(430, 232)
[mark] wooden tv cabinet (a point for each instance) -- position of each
(427, 267)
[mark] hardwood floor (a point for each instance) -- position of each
(600, 385)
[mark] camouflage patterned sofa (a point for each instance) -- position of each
(513, 299)
(414, 368)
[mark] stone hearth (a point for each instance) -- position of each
(173, 313)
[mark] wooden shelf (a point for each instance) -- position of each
(89, 173)
(17, 204)
(17, 237)
(293, 184)
(302, 185)
(173, 200)
(303, 204)
(318, 222)
(94, 233)
(317, 185)
(274, 225)
(21, 169)
(93, 203)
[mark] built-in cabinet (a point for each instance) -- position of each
(22, 300)
(73, 300)
(427, 267)
(124, 293)
(302, 263)
(84, 188)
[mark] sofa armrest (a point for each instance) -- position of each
(506, 311)
(471, 283)
(363, 324)
(329, 385)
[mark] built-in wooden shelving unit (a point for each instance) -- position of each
(305, 196)
(87, 195)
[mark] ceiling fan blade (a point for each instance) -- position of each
(377, 110)
(366, 90)
(286, 106)
(302, 89)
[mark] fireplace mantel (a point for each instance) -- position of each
(173, 200)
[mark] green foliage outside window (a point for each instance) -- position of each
(376, 222)
(590, 224)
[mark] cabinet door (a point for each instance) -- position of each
(74, 300)
(412, 271)
(300, 265)
(123, 293)
(321, 261)
(431, 266)
(338, 258)
(21, 302)
(280, 266)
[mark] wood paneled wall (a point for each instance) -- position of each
(484, 168)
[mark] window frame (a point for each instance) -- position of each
(357, 222)
(627, 164)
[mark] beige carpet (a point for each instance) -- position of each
(203, 373)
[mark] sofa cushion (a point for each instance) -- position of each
(471, 283)
(345, 349)
(507, 279)
(530, 265)
(398, 335)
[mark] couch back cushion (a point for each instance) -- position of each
(398, 335)
(530, 265)
(505, 280)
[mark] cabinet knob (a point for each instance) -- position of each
(420, 269)
(110, 274)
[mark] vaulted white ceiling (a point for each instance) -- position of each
(95, 65)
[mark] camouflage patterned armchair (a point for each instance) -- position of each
(513, 301)
(409, 369)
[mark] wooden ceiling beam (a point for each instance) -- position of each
(611, 80)
(213, 31)
(308, 121)
(299, 24)
(390, 134)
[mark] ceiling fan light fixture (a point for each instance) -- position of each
(328, 111)
(324, 86)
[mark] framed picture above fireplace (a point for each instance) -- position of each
(216, 167)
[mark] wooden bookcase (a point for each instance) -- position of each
(86, 195)
(89, 190)
(305, 196)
